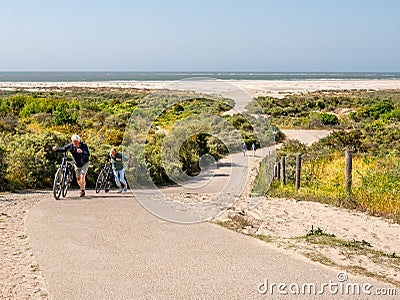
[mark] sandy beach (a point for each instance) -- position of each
(254, 88)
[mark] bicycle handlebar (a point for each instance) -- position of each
(67, 158)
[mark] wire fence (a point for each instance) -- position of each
(326, 166)
(368, 181)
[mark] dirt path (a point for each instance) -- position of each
(307, 137)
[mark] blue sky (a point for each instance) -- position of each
(236, 35)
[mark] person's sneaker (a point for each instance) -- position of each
(125, 188)
(120, 190)
(82, 194)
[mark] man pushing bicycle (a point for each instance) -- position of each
(80, 153)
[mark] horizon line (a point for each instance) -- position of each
(179, 71)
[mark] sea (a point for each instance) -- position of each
(173, 76)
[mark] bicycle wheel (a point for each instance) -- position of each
(67, 179)
(65, 189)
(57, 184)
(108, 181)
(100, 181)
(65, 184)
(107, 186)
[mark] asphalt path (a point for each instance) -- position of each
(107, 246)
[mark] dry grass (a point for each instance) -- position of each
(375, 184)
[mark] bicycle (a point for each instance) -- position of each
(105, 178)
(63, 177)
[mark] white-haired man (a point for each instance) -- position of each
(80, 153)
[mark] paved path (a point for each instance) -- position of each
(108, 247)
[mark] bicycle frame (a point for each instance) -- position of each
(105, 178)
(63, 177)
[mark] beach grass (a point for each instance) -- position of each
(375, 184)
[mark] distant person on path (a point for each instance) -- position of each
(117, 162)
(244, 148)
(80, 153)
(253, 147)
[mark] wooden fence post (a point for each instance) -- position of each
(348, 172)
(278, 170)
(298, 170)
(283, 170)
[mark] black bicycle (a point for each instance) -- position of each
(105, 178)
(63, 177)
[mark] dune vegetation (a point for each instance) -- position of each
(367, 123)
(32, 122)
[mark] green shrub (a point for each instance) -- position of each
(375, 111)
(114, 137)
(30, 161)
(341, 140)
(13, 104)
(325, 118)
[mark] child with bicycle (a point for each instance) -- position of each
(117, 163)
(80, 153)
